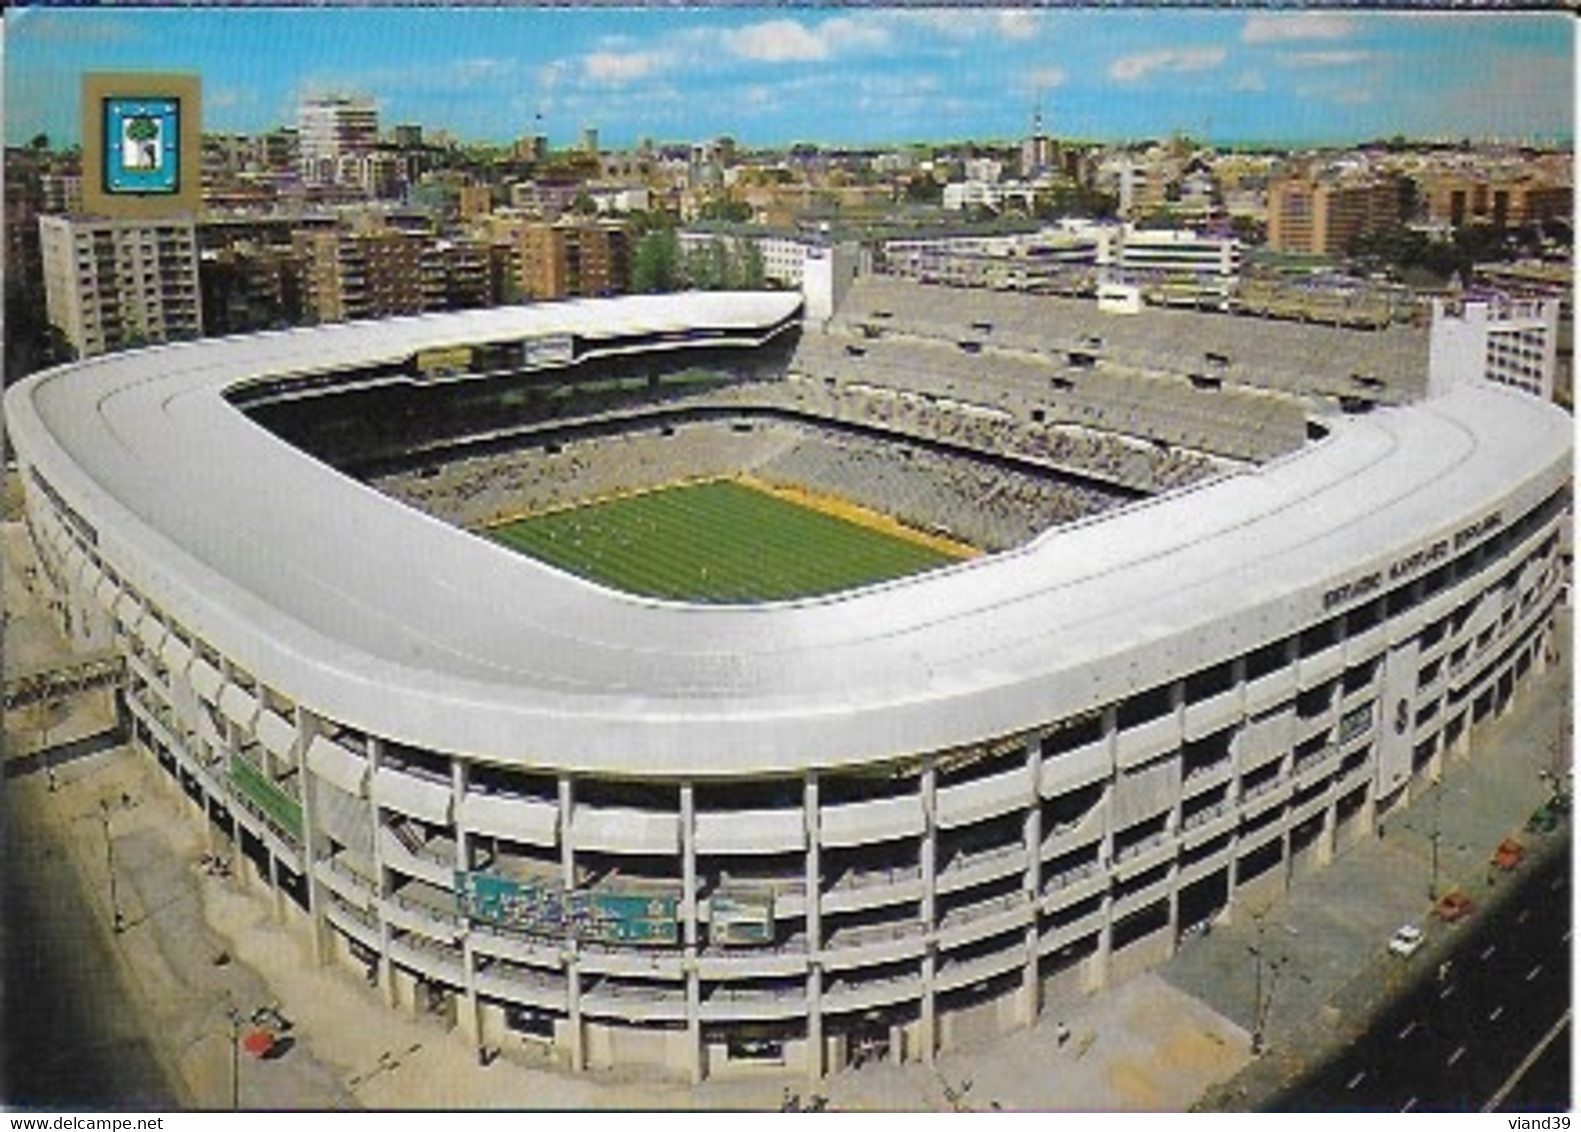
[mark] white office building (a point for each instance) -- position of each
(330, 129)
(1495, 338)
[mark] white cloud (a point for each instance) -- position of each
(1017, 23)
(1171, 60)
(854, 33)
(75, 27)
(1324, 58)
(612, 67)
(551, 74)
(791, 41)
(967, 23)
(896, 85)
(1249, 81)
(1286, 27)
(1046, 78)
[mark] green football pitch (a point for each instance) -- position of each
(718, 541)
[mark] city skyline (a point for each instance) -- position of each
(841, 76)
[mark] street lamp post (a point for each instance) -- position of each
(118, 921)
(1257, 995)
(1435, 837)
(236, 1062)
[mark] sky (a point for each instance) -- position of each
(829, 74)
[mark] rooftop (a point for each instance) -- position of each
(407, 626)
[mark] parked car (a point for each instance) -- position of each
(1452, 907)
(1543, 820)
(1407, 940)
(1509, 854)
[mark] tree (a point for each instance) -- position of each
(923, 189)
(717, 271)
(733, 211)
(751, 277)
(656, 265)
(1246, 229)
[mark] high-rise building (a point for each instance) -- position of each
(383, 272)
(531, 147)
(1039, 154)
(1323, 217)
(248, 286)
(573, 259)
(473, 201)
(279, 150)
(114, 283)
(60, 192)
(330, 130)
(1494, 338)
(351, 275)
(455, 274)
(1459, 199)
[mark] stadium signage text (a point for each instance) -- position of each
(1429, 555)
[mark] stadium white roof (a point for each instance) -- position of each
(387, 619)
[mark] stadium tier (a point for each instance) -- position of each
(617, 832)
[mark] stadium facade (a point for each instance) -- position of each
(628, 832)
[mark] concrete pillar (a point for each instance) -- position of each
(1099, 976)
(573, 978)
(1031, 996)
(277, 896)
(816, 1066)
(567, 855)
(694, 990)
(928, 1030)
(1173, 927)
(469, 1013)
(578, 1050)
(387, 969)
(1461, 748)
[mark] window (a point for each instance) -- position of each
(1267, 660)
(1145, 707)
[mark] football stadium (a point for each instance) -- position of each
(676, 684)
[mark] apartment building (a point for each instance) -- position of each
(573, 260)
(384, 272)
(352, 275)
(110, 284)
(1463, 198)
(1308, 216)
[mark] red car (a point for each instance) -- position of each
(1509, 854)
(1453, 906)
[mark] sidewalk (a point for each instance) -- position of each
(1329, 935)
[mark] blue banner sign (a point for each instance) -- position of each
(538, 908)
